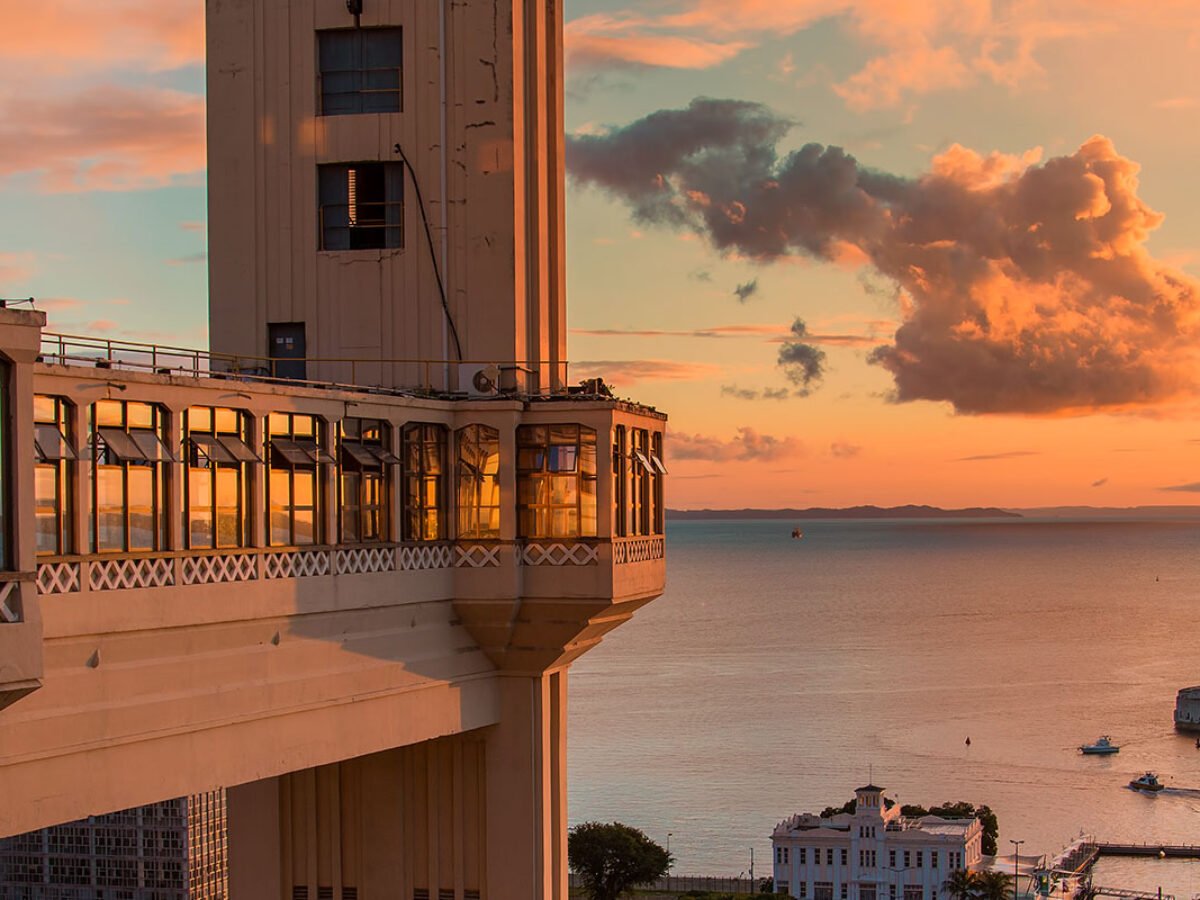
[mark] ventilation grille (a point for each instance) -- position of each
(446, 894)
(471, 894)
(300, 892)
(324, 893)
(420, 894)
(349, 893)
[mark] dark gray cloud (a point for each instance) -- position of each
(844, 450)
(1024, 287)
(748, 444)
(740, 393)
(802, 363)
(745, 291)
(1100, 482)
(1190, 488)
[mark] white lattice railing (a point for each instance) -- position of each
(476, 556)
(10, 612)
(425, 556)
(219, 569)
(559, 554)
(636, 550)
(123, 574)
(364, 560)
(297, 564)
(59, 578)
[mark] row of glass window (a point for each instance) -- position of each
(638, 470)
(782, 853)
(126, 461)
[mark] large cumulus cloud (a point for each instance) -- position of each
(1024, 286)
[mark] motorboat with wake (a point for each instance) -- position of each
(1148, 783)
(1103, 747)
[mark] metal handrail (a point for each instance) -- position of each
(163, 359)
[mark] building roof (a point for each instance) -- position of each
(869, 787)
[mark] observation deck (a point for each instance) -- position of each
(246, 575)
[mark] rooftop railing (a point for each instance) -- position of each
(106, 353)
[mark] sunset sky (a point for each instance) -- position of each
(862, 251)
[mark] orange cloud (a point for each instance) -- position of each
(1023, 288)
(747, 445)
(624, 372)
(68, 35)
(104, 138)
(922, 45)
(15, 267)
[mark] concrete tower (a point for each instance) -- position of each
(386, 183)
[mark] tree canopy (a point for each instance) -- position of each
(963, 810)
(964, 885)
(611, 858)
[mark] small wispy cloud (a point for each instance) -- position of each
(623, 372)
(748, 444)
(195, 226)
(740, 393)
(745, 291)
(1190, 488)
(1100, 483)
(1177, 103)
(1008, 454)
(844, 450)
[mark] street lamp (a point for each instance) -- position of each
(1016, 864)
(668, 860)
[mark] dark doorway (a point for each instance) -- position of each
(286, 349)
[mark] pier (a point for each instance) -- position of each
(1163, 851)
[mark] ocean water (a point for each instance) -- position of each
(774, 676)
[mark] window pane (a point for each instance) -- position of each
(200, 528)
(304, 519)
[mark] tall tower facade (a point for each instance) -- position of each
(386, 186)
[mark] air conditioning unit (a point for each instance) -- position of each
(479, 381)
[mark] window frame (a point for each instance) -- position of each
(536, 483)
(620, 485)
(363, 455)
(360, 235)
(212, 442)
(473, 484)
(324, 73)
(7, 506)
(640, 472)
(59, 465)
(289, 450)
(417, 438)
(120, 445)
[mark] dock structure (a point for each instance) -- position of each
(1124, 894)
(1168, 851)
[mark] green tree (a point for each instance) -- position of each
(612, 858)
(960, 885)
(993, 886)
(991, 829)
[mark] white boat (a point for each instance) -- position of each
(1148, 782)
(1103, 747)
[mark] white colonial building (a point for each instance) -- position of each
(873, 853)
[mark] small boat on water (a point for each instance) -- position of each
(1148, 782)
(1103, 747)
(797, 534)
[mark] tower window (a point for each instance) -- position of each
(360, 70)
(362, 206)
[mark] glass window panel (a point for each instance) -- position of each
(45, 409)
(154, 449)
(280, 487)
(531, 435)
(111, 532)
(564, 490)
(304, 488)
(305, 533)
(564, 459)
(141, 487)
(139, 415)
(587, 459)
(492, 519)
(141, 528)
(228, 488)
(281, 530)
(109, 412)
(532, 491)
(530, 460)
(433, 458)
(110, 487)
(200, 487)
(199, 418)
(432, 521)
(564, 434)
(212, 448)
(229, 527)
(47, 527)
(200, 528)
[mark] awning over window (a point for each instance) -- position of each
(51, 444)
(642, 460)
(298, 453)
(658, 464)
(121, 445)
(385, 456)
(154, 449)
(238, 448)
(208, 445)
(359, 456)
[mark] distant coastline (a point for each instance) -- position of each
(850, 512)
(912, 511)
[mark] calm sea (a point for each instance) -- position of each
(774, 676)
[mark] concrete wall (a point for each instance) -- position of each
(482, 127)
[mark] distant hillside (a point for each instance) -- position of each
(1112, 512)
(851, 512)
